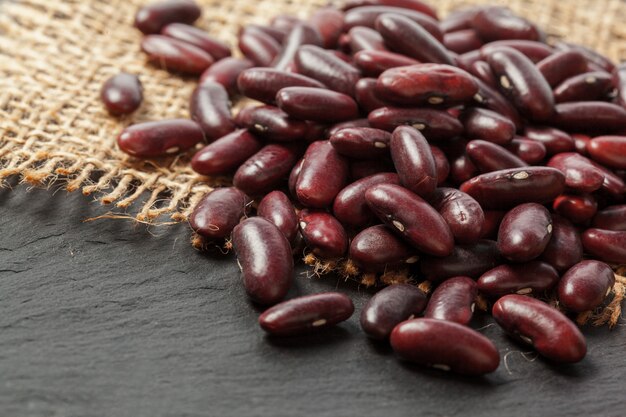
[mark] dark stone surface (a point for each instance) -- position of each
(109, 318)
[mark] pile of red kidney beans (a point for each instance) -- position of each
(464, 151)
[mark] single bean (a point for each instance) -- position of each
(374, 62)
(122, 94)
(175, 55)
(609, 151)
(489, 157)
(584, 87)
(528, 150)
(225, 72)
(278, 209)
(525, 232)
(272, 123)
(217, 214)
(154, 16)
(581, 142)
(301, 34)
(565, 247)
(329, 23)
(433, 124)
(323, 234)
(366, 96)
(226, 154)
(592, 56)
(367, 16)
(462, 41)
(585, 285)
(266, 169)
(441, 165)
(459, 19)
(332, 130)
(323, 174)
(278, 33)
(562, 65)
(376, 248)
(462, 169)
(210, 108)
(481, 70)
(466, 260)
(613, 184)
(580, 174)
(590, 116)
(365, 39)
(316, 104)
(417, 5)
(535, 51)
(413, 161)
(293, 178)
(461, 212)
(197, 37)
(606, 245)
(263, 84)
(555, 140)
(453, 300)
(162, 138)
(578, 209)
(321, 65)
(361, 142)
(488, 125)
(532, 277)
(258, 46)
(611, 218)
(495, 23)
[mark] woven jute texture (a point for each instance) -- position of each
(55, 55)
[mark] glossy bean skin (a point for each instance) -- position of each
(323, 234)
(462, 169)
(367, 16)
(433, 124)
(376, 248)
(609, 151)
(366, 96)
(555, 140)
(278, 209)
(565, 247)
(562, 65)
(534, 277)
(210, 108)
(462, 41)
(510, 187)
(389, 307)
(217, 214)
(323, 175)
(175, 55)
(584, 87)
(493, 218)
(592, 56)
(529, 151)
(301, 34)
(606, 245)
(225, 72)
(266, 169)
(417, 5)
(491, 99)
(453, 300)
(305, 314)
(445, 345)
(466, 260)
(534, 51)
(329, 23)
(293, 178)
(374, 62)
(585, 285)
(365, 39)
(197, 37)
(258, 47)
(152, 17)
(426, 84)
(350, 207)
(413, 160)
(552, 334)
(262, 84)
(495, 23)
(409, 38)
(581, 142)
(580, 174)
(441, 165)
(488, 125)
(278, 33)
(361, 142)
(578, 209)
(613, 185)
(590, 116)
(264, 256)
(271, 123)
(481, 70)
(321, 65)
(489, 157)
(525, 232)
(162, 138)
(462, 213)
(333, 129)
(611, 218)
(122, 94)
(522, 83)
(412, 218)
(226, 154)
(316, 104)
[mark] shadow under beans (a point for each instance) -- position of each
(474, 381)
(311, 341)
(379, 347)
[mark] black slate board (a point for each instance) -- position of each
(109, 318)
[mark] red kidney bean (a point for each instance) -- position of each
(366, 97)
(468, 59)
(272, 123)
(365, 168)
(488, 125)
(580, 174)
(323, 174)
(293, 178)
(461, 212)
(552, 334)
(389, 307)
(217, 214)
(481, 70)
(441, 164)
(175, 55)
(329, 23)
(331, 131)
(266, 169)
(225, 154)
(578, 209)
(361, 142)
(374, 63)
(462, 41)
(122, 94)
(585, 285)
(417, 5)
(592, 56)
(459, 19)
(495, 23)
(264, 256)
(197, 37)
(584, 87)
(225, 72)
(278, 209)
(529, 151)
(210, 108)
(263, 83)
(367, 16)
(491, 99)
(555, 140)
(376, 248)
(565, 248)
(413, 160)
(606, 245)
(411, 39)
(365, 39)
(412, 218)
(535, 51)
(490, 157)
(510, 187)
(612, 184)
(619, 79)
(581, 142)
(152, 17)
(525, 232)
(522, 83)
(465, 260)
(562, 65)
(304, 314)
(453, 300)
(433, 124)
(462, 169)
(611, 218)
(325, 67)
(590, 116)
(609, 151)
(301, 34)
(445, 345)
(284, 22)
(323, 234)
(533, 277)
(316, 104)
(162, 138)
(493, 218)
(258, 46)
(278, 33)
(426, 84)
